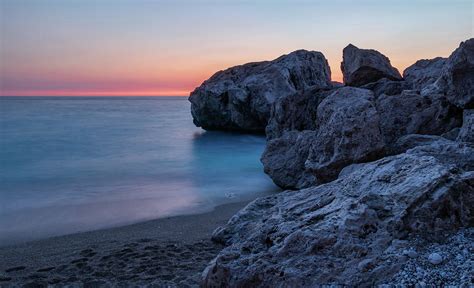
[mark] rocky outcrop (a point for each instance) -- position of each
(350, 125)
(424, 72)
(240, 98)
(284, 159)
(346, 130)
(350, 231)
(296, 112)
(411, 113)
(457, 78)
(349, 132)
(466, 133)
(363, 66)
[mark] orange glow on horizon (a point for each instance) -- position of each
(183, 93)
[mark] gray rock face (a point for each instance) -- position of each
(424, 72)
(457, 78)
(349, 132)
(284, 159)
(363, 66)
(466, 133)
(387, 87)
(350, 231)
(411, 113)
(410, 141)
(346, 131)
(296, 112)
(351, 126)
(240, 97)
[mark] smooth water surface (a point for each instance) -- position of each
(78, 164)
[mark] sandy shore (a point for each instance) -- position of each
(165, 252)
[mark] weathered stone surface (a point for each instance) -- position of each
(240, 97)
(350, 231)
(351, 127)
(296, 112)
(284, 160)
(362, 66)
(457, 78)
(346, 130)
(349, 132)
(410, 141)
(387, 87)
(411, 113)
(466, 133)
(424, 72)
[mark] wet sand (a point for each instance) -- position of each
(166, 252)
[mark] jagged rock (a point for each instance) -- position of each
(351, 127)
(349, 132)
(350, 231)
(295, 112)
(410, 141)
(240, 97)
(387, 87)
(424, 72)
(411, 113)
(284, 159)
(466, 133)
(457, 78)
(346, 130)
(362, 66)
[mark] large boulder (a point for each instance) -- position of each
(349, 125)
(351, 231)
(296, 112)
(345, 130)
(457, 78)
(424, 72)
(362, 66)
(411, 113)
(284, 159)
(240, 98)
(349, 132)
(466, 133)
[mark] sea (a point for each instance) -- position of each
(75, 164)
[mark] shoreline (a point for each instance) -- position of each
(166, 251)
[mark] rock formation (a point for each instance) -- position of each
(424, 72)
(352, 220)
(285, 157)
(240, 98)
(349, 132)
(411, 113)
(351, 231)
(297, 111)
(362, 66)
(350, 125)
(395, 111)
(457, 77)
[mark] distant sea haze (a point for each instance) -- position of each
(71, 164)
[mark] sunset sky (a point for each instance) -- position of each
(119, 47)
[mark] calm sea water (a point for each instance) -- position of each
(78, 164)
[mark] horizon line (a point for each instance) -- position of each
(109, 95)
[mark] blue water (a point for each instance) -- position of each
(79, 164)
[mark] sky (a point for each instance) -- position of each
(145, 47)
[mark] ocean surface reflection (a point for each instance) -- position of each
(70, 165)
